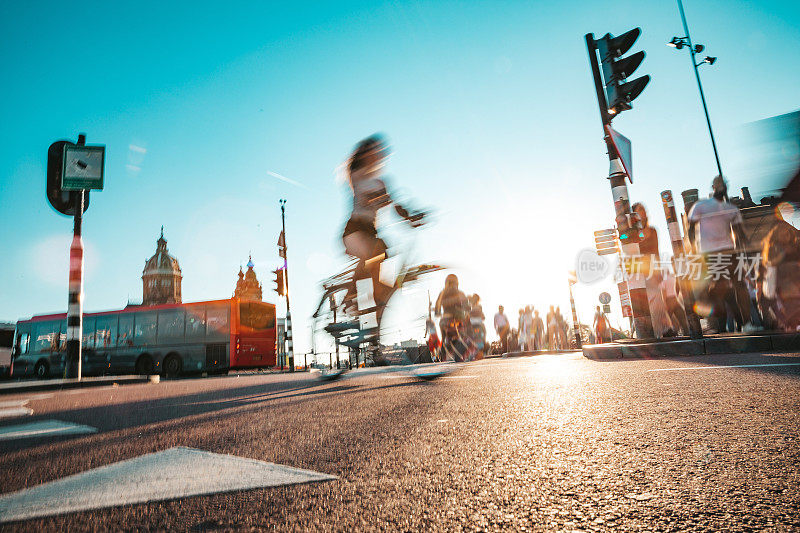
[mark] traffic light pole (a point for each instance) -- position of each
(640, 306)
(74, 366)
(289, 341)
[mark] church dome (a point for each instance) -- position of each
(161, 262)
(161, 278)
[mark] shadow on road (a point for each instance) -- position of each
(218, 402)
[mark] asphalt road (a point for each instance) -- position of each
(554, 442)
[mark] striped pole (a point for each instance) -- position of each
(575, 324)
(289, 342)
(73, 365)
(695, 329)
(640, 306)
(289, 337)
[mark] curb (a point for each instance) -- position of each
(527, 353)
(50, 384)
(781, 342)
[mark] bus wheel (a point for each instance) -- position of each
(172, 366)
(41, 370)
(144, 365)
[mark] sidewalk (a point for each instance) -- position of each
(709, 344)
(14, 387)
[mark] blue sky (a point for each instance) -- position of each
(489, 106)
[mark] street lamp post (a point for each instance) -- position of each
(680, 42)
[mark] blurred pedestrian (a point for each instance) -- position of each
(716, 229)
(669, 291)
(538, 331)
(650, 256)
(601, 327)
(502, 327)
(552, 328)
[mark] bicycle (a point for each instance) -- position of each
(354, 322)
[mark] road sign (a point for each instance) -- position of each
(606, 308)
(623, 146)
(605, 298)
(83, 167)
(605, 241)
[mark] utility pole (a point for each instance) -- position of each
(74, 366)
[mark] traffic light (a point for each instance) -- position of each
(280, 282)
(628, 228)
(65, 202)
(616, 69)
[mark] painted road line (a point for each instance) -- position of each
(715, 367)
(43, 428)
(12, 412)
(167, 475)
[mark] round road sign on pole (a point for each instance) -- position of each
(605, 298)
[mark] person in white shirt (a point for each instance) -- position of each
(715, 229)
(502, 327)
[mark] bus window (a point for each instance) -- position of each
(256, 316)
(44, 336)
(195, 324)
(23, 341)
(125, 337)
(145, 329)
(217, 322)
(106, 331)
(88, 333)
(170, 325)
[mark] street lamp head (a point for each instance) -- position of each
(698, 48)
(676, 42)
(710, 60)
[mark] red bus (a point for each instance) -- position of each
(170, 339)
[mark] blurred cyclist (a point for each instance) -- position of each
(360, 236)
(451, 305)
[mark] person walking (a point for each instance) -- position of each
(669, 292)
(601, 328)
(502, 327)
(552, 335)
(538, 331)
(716, 229)
(527, 327)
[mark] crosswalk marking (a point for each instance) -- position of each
(170, 474)
(43, 428)
(12, 412)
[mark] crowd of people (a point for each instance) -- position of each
(532, 332)
(736, 285)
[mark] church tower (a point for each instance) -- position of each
(248, 287)
(161, 278)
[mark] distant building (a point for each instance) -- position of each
(248, 287)
(161, 278)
